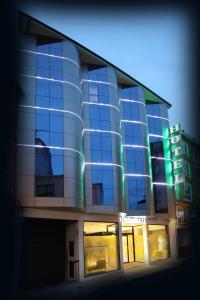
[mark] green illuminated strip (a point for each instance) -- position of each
(167, 154)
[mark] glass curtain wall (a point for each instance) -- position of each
(100, 247)
(160, 160)
(49, 121)
(133, 124)
(99, 134)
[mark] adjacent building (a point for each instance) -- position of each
(94, 172)
(186, 178)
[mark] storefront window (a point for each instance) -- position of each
(159, 242)
(100, 247)
(139, 243)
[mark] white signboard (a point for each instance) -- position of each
(133, 219)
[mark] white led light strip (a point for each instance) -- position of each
(160, 136)
(50, 55)
(52, 109)
(98, 81)
(51, 79)
(156, 117)
(101, 104)
(103, 164)
(131, 101)
(134, 146)
(103, 131)
(136, 175)
(51, 147)
(135, 122)
(161, 158)
(162, 183)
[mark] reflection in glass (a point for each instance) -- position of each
(159, 242)
(100, 247)
(139, 243)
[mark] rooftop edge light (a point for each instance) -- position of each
(101, 104)
(50, 55)
(52, 79)
(51, 109)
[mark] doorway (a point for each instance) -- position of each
(132, 244)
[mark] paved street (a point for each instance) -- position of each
(142, 280)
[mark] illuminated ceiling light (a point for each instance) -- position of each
(51, 79)
(51, 147)
(101, 131)
(98, 81)
(52, 109)
(50, 55)
(102, 164)
(101, 104)
(136, 122)
(160, 136)
(132, 101)
(161, 158)
(162, 183)
(134, 146)
(157, 117)
(136, 175)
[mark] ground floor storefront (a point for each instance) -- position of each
(68, 246)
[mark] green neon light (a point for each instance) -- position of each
(167, 154)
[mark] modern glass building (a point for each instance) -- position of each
(94, 174)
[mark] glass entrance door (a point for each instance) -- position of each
(128, 244)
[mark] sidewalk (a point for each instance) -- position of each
(90, 285)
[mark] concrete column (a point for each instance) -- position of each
(121, 264)
(146, 241)
(81, 250)
(173, 239)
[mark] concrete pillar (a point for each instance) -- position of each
(146, 241)
(121, 264)
(81, 250)
(173, 239)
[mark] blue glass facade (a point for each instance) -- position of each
(134, 131)
(157, 122)
(101, 147)
(49, 123)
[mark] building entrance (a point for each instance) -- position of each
(132, 244)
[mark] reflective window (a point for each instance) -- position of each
(160, 198)
(133, 134)
(136, 193)
(101, 147)
(131, 111)
(100, 247)
(102, 185)
(99, 117)
(132, 93)
(97, 73)
(135, 161)
(98, 92)
(49, 125)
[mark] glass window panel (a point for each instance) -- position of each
(100, 247)
(159, 242)
(42, 119)
(57, 121)
(42, 87)
(56, 139)
(57, 164)
(42, 101)
(56, 103)
(42, 138)
(56, 90)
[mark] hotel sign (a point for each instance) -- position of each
(133, 219)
